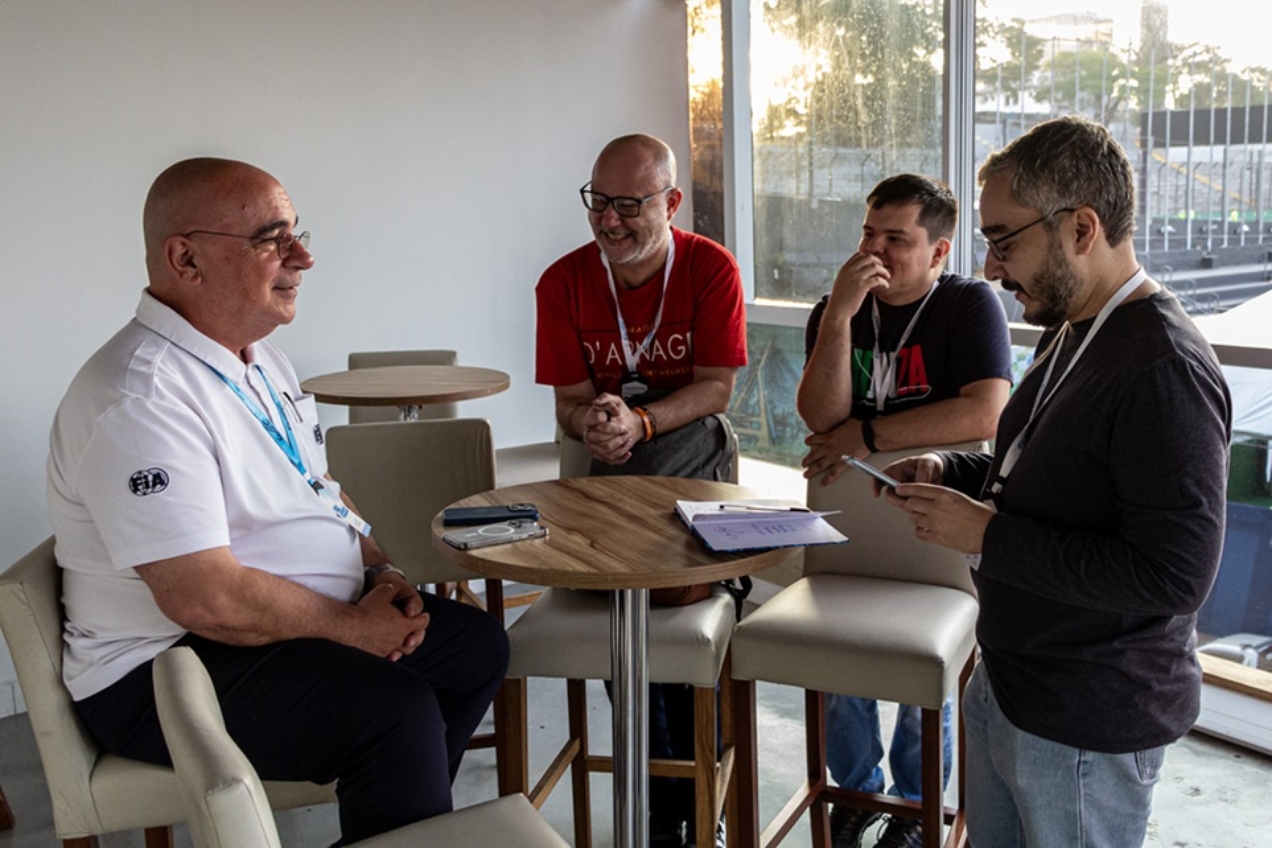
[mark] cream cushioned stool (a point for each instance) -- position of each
(226, 803)
(563, 636)
(93, 792)
(885, 616)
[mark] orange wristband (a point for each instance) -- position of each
(646, 420)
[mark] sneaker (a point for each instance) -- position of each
(847, 824)
(901, 833)
(721, 838)
(665, 833)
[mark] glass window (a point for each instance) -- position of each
(843, 94)
(1184, 88)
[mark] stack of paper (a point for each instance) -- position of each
(756, 524)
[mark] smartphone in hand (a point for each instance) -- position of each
(871, 470)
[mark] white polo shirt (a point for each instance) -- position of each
(153, 456)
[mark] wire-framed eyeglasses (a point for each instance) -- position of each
(627, 207)
(995, 245)
(283, 243)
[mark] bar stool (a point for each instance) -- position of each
(885, 616)
(558, 637)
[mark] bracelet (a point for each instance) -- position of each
(867, 435)
(653, 422)
(646, 420)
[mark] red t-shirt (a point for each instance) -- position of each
(703, 322)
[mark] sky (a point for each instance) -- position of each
(1223, 23)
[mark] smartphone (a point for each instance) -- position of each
(871, 470)
(468, 516)
(495, 534)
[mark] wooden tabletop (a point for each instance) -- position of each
(402, 385)
(610, 533)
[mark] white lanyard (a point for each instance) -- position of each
(630, 354)
(1017, 447)
(881, 377)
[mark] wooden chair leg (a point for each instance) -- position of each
(744, 830)
(512, 765)
(495, 599)
(159, 837)
(815, 755)
(728, 749)
(6, 812)
(933, 814)
(706, 808)
(580, 775)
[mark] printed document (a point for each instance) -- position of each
(746, 525)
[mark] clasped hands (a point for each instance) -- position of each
(610, 429)
(395, 620)
(939, 514)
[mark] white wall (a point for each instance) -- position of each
(434, 148)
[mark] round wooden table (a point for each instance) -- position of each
(408, 387)
(620, 534)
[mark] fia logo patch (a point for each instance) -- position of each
(152, 481)
(317, 434)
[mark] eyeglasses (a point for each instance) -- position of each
(627, 207)
(284, 243)
(995, 245)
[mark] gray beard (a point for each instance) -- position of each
(1054, 290)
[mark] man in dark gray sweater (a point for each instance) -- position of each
(1095, 528)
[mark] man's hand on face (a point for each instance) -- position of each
(609, 429)
(859, 276)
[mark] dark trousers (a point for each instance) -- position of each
(391, 734)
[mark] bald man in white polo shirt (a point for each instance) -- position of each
(188, 491)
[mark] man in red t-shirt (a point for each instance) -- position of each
(668, 355)
(641, 333)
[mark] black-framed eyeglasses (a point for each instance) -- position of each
(283, 243)
(627, 207)
(995, 245)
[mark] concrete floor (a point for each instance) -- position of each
(1212, 794)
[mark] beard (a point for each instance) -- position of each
(1053, 291)
(634, 245)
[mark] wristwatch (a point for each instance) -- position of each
(374, 571)
(867, 435)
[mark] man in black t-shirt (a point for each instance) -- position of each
(899, 355)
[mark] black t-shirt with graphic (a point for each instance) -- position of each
(960, 337)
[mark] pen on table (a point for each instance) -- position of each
(757, 508)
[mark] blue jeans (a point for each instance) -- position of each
(1026, 790)
(854, 746)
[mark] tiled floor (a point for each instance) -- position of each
(1212, 794)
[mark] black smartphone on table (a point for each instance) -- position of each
(468, 516)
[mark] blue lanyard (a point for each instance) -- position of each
(285, 440)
